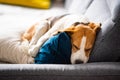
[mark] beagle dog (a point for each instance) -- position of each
(82, 40)
(82, 35)
(50, 26)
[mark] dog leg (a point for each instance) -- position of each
(41, 28)
(34, 48)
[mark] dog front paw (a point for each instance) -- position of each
(30, 60)
(24, 47)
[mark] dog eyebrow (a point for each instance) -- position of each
(76, 23)
(84, 23)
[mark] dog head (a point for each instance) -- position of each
(82, 39)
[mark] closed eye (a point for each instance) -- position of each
(87, 49)
(76, 47)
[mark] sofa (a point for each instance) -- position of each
(104, 62)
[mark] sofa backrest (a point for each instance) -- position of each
(103, 11)
(106, 12)
(96, 10)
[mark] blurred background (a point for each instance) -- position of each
(22, 13)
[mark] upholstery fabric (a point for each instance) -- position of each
(109, 47)
(89, 71)
(79, 6)
(107, 13)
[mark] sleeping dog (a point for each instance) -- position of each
(82, 35)
(82, 40)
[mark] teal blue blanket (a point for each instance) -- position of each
(56, 50)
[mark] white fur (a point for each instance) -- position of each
(41, 28)
(62, 23)
(80, 54)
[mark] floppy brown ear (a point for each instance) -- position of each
(95, 26)
(76, 23)
(69, 30)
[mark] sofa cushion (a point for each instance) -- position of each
(101, 10)
(98, 11)
(114, 7)
(105, 12)
(109, 47)
(78, 6)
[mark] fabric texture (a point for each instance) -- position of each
(12, 50)
(109, 48)
(74, 6)
(56, 50)
(106, 12)
(89, 71)
(106, 46)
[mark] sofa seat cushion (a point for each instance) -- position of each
(89, 71)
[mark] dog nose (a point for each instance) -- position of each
(78, 62)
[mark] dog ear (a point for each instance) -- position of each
(95, 26)
(76, 23)
(69, 30)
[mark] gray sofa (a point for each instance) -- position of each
(104, 62)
